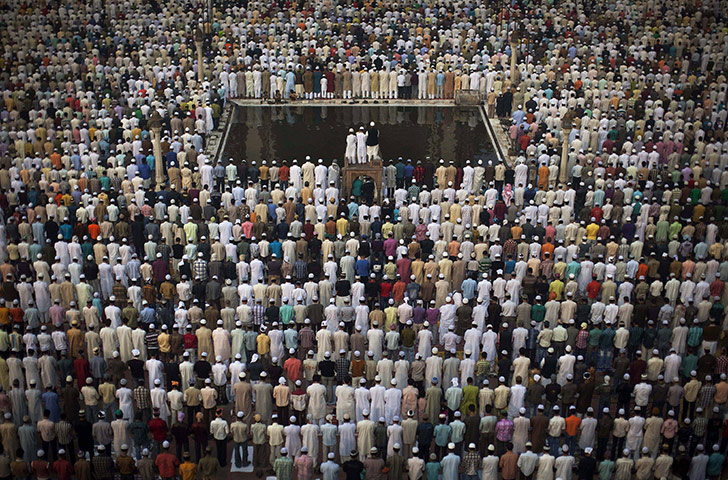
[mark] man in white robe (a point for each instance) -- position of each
(392, 402)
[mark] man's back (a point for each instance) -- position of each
(208, 466)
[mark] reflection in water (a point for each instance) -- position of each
(288, 132)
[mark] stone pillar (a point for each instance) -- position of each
(158, 162)
(198, 43)
(564, 157)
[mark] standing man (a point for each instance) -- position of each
(361, 146)
(208, 466)
(219, 429)
(241, 434)
(372, 142)
(167, 463)
(283, 466)
(450, 464)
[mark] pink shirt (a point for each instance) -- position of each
(669, 428)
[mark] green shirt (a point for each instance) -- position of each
(470, 397)
(605, 469)
(715, 464)
(538, 312)
(442, 435)
(283, 467)
(356, 187)
(594, 335)
(689, 363)
(432, 469)
(286, 314)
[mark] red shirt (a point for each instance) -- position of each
(293, 367)
(283, 173)
(16, 314)
(167, 464)
(190, 340)
(158, 429)
(593, 289)
(41, 468)
(398, 291)
(63, 469)
(82, 368)
(386, 289)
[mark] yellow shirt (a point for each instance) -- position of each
(342, 226)
(390, 314)
(557, 287)
(591, 231)
(163, 340)
(188, 471)
(263, 343)
(108, 392)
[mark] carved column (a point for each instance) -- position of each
(198, 43)
(158, 162)
(564, 157)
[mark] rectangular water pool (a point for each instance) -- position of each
(278, 132)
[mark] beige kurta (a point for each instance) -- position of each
(364, 437)
(316, 400)
(204, 341)
(244, 400)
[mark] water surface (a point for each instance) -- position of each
(417, 132)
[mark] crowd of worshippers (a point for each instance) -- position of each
(560, 313)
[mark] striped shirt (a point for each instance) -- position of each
(258, 314)
(141, 397)
(64, 432)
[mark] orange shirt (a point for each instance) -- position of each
(572, 425)
(642, 270)
(547, 248)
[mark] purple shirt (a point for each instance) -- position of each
(418, 315)
(390, 247)
(504, 430)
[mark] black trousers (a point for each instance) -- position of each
(221, 451)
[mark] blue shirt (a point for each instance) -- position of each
(272, 212)
(66, 231)
(361, 268)
(146, 316)
(276, 247)
(353, 209)
(50, 401)
(144, 171)
(469, 285)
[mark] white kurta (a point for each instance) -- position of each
(344, 401)
(347, 438)
(123, 333)
(634, 434)
(126, 403)
(293, 439)
(363, 402)
(565, 367)
(310, 439)
(316, 400)
(392, 404)
(350, 148)
(394, 435)
(159, 400)
(376, 394)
